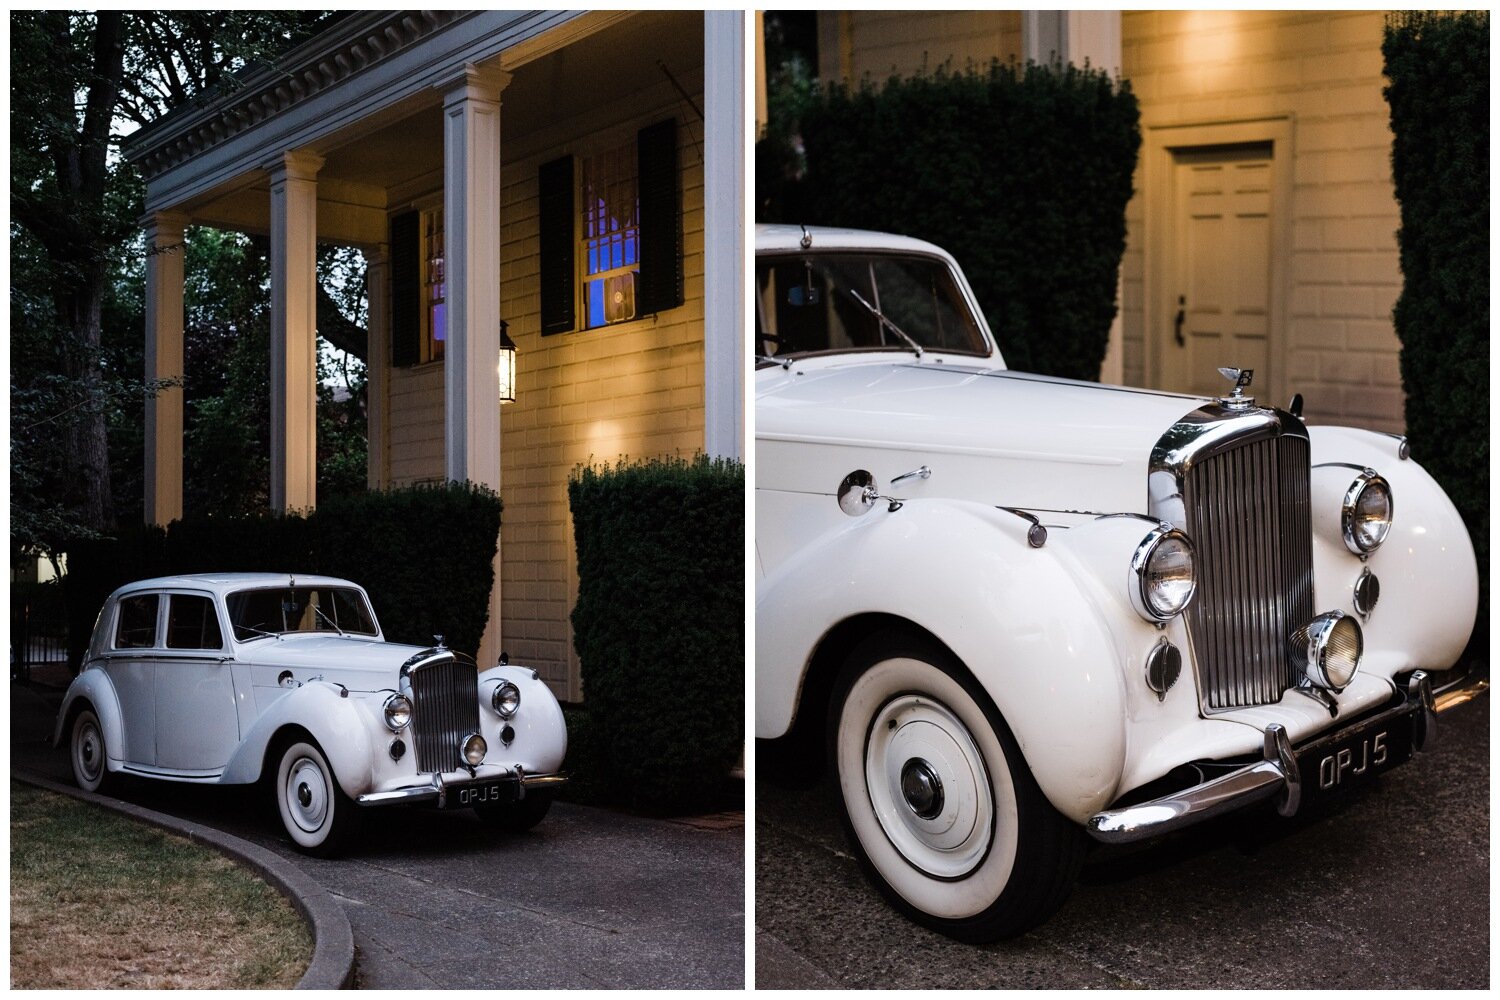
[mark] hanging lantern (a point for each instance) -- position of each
(507, 365)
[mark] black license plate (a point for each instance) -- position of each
(479, 793)
(1356, 757)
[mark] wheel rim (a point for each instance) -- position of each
(88, 752)
(929, 787)
(305, 795)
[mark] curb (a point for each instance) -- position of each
(332, 965)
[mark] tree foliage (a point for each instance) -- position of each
(80, 81)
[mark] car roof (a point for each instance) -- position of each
(221, 583)
(777, 238)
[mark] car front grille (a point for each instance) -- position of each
(445, 709)
(1248, 514)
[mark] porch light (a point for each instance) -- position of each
(507, 365)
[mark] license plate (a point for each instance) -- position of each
(1356, 757)
(479, 793)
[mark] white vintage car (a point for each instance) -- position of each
(1022, 611)
(237, 678)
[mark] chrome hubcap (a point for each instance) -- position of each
(923, 788)
(88, 752)
(928, 784)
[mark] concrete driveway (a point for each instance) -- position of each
(589, 899)
(1388, 889)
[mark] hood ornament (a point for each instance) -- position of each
(1241, 377)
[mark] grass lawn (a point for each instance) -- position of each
(99, 901)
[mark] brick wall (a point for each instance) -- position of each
(631, 390)
(1323, 70)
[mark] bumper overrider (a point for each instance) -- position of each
(1369, 745)
(460, 791)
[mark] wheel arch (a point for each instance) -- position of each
(329, 719)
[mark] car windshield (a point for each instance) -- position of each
(273, 610)
(817, 302)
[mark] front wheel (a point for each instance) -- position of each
(317, 814)
(939, 805)
(516, 817)
(86, 748)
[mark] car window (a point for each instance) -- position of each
(192, 623)
(274, 610)
(807, 303)
(135, 627)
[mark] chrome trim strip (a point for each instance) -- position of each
(1278, 772)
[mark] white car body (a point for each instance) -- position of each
(222, 714)
(966, 458)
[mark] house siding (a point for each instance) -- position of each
(1323, 72)
(634, 390)
(878, 44)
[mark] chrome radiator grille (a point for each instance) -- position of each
(1248, 513)
(445, 709)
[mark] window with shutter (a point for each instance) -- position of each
(555, 210)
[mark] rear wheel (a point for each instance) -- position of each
(86, 747)
(942, 811)
(317, 814)
(516, 817)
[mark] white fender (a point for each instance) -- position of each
(541, 739)
(1429, 585)
(1018, 617)
(341, 725)
(95, 687)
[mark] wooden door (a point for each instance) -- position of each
(1218, 313)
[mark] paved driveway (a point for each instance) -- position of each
(589, 899)
(1388, 890)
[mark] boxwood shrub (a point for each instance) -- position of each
(660, 627)
(1022, 173)
(1438, 65)
(425, 554)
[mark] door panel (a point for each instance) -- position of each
(1221, 267)
(197, 723)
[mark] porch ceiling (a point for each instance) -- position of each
(399, 149)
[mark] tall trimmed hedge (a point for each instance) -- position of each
(1022, 173)
(425, 554)
(660, 625)
(1439, 94)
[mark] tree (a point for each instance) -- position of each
(79, 82)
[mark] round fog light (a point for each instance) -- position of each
(1335, 645)
(473, 749)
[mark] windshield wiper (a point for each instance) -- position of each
(319, 612)
(771, 359)
(259, 632)
(886, 320)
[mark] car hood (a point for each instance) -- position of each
(361, 664)
(989, 435)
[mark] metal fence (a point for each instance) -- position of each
(33, 648)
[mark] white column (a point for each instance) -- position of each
(378, 366)
(294, 326)
(471, 223)
(164, 279)
(1079, 37)
(724, 143)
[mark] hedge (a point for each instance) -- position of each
(1439, 95)
(425, 554)
(1022, 173)
(660, 626)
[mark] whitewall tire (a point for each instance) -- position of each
(86, 747)
(316, 813)
(939, 805)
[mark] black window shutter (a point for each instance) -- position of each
(406, 289)
(660, 283)
(555, 245)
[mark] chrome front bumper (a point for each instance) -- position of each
(1277, 773)
(440, 788)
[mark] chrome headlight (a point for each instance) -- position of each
(1165, 577)
(474, 748)
(398, 712)
(1335, 645)
(505, 699)
(1366, 514)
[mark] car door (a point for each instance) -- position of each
(130, 664)
(197, 722)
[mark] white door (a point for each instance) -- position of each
(1219, 270)
(197, 722)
